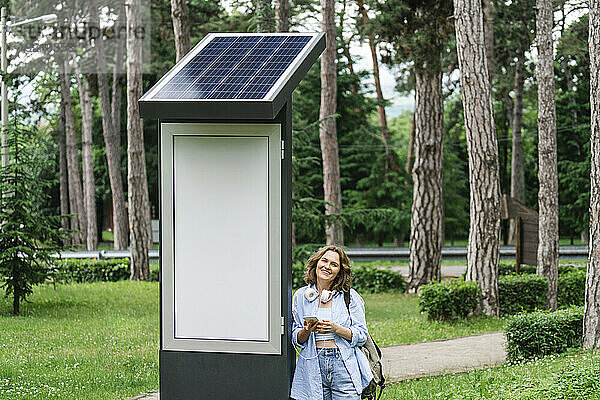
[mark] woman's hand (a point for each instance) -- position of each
(304, 333)
(326, 326)
(311, 326)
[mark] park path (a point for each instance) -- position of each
(439, 357)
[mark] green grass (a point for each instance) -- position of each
(394, 318)
(574, 376)
(86, 341)
(100, 341)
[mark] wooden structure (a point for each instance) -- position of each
(526, 230)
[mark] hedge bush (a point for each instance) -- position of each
(365, 279)
(508, 268)
(517, 293)
(450, 300)
(368, 279)
(72, 270)
(571, 288)
(540, 333)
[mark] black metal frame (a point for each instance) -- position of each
(237, 376)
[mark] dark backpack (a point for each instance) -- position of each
(373, 354)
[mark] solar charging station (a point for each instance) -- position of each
(225, 118)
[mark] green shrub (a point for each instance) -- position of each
(565, 269)
(571, 288)
(509, 268)
(364, 279)
(89, 270)
(542, 332)
(297, 275)
(450, 300)
(369, 279)
(518, 293)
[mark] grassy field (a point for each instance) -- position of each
(100, 341)
(572, 376)
(395, 319)
(87, 341)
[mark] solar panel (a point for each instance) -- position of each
(233, 67)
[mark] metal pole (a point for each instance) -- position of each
(4, 107)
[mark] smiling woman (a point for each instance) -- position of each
(329, 331)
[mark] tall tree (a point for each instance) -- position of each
(419, 31)
(488, 31)
(62, 175)
(181, 27)
(87, 157)
(73, 176)
(385, 132)
(482, 147)
(591, 320)
(265, 21)
(112, 137)
(139, 204)
(547, 255)
(517, 173)
(282, 15)
(327, 129)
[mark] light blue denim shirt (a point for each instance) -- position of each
(307, 378)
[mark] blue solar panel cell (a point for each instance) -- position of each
(234, 67)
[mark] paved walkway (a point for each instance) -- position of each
(439, 357)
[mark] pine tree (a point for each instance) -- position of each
(28, 237)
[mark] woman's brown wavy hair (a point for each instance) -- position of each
(343, 280)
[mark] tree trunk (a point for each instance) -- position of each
(591, 320)
(385, 133)
(139, 204)
(282, 15)
(517, 173)
(62, 167)
(112, 142)
(89, 191)
(411, 146)
(327, 129)
(547, 255)
(427, 207)
(71, 151)
(488, 29)
(181, 27)
(117, 86)
(265, 21)
(482, 147)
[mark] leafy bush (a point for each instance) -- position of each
(297, 275)
(508, 268)
(364, 279)
(89, 270)
(542, 332)
(518, 293)
(376, 280)
(565, 269)
(450, 300)
(571, 288)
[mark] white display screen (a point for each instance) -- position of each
(221, 237)
(221, 288)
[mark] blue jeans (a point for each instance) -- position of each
(337, 383)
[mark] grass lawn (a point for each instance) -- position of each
(86, 341)
(100, 341)
(573, 376)
(395, 319)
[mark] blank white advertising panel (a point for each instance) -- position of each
(221, 273)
